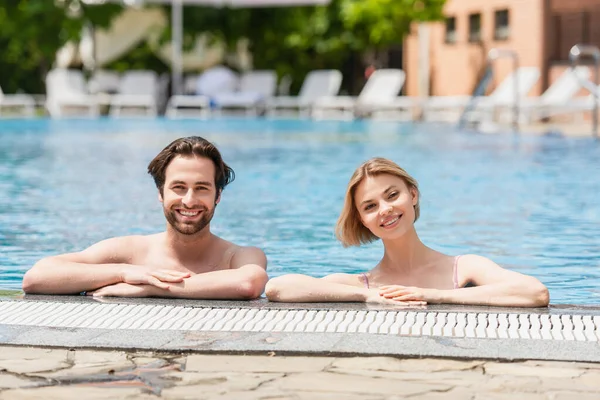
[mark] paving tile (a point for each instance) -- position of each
(510, 396)
(589, 380)
(505, 383)
(562, 364)
(75, 393)
(229, 380)
(409, 365)
(47, 364)
(452, 394)
(213, 363)
(568, 395)
(452, 378)
(338, 383)
(8, 381)
(29, 353)
(516, 369)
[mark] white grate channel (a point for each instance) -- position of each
(405, 323)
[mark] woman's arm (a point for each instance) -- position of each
(296, 288)
(494, 286)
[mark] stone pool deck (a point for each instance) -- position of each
(79, 347)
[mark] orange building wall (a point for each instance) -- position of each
(455, 68)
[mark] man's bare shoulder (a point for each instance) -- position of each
(244, 255)
(121, 249)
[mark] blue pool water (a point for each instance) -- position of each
(531, 204)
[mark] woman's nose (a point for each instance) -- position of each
(385, 210)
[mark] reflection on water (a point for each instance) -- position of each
(529, 203)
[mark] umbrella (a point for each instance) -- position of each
(177, 21)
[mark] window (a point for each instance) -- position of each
(451, 30)
(501, 30)
(474, 28)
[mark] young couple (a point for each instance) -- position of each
(188, 261)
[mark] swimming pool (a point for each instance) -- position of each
(530, 203)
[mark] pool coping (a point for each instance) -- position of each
(305, 343)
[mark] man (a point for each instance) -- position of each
(185, 261)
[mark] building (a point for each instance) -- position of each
(454, 52)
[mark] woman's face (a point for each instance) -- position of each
(386, 205)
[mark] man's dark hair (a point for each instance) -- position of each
(189, 147)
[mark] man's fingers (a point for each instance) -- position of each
(158, 283)
(170, 276)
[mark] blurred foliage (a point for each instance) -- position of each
(31, 32)
(292, 40)
(295, 40)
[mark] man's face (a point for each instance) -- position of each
(189, 196)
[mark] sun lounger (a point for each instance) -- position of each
(21, 104)
(138, 91)
(317, 84)
(212, 82)
(556, 97)
(449, 108)
(380, 92)
(67, 95)
(255, 88)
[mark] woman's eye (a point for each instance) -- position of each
(370, 206)
(392, 195)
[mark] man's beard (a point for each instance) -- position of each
(191, 227)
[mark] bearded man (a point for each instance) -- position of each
(185, 261)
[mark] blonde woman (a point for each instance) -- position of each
(382, 202)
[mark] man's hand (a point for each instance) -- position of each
(122, 290)
(159, 278)
(375, 296)
(409, 293)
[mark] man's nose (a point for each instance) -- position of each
(189, 198)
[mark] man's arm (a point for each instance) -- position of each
(245, 280)
(104, 263)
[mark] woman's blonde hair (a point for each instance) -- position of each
(349, 228)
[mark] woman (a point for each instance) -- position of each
(382, 202)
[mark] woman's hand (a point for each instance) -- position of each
(409, 293)
(374, 296)
(122, 290)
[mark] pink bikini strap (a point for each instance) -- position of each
(366, 280)
(455, 273)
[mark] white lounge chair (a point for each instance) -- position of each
(380, 92)
(556, 97)
(21, 104)
(317, 84)
(214, 81)
(255, 88)
(67, 95)
(449, 108)
(138, 91)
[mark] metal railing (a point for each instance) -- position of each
(582, 50)
(495, 54)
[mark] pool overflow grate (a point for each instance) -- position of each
(405, 323)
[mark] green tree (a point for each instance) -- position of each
(32, 31)
(299, 39)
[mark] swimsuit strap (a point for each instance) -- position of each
(455, 273)
(366, 279)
